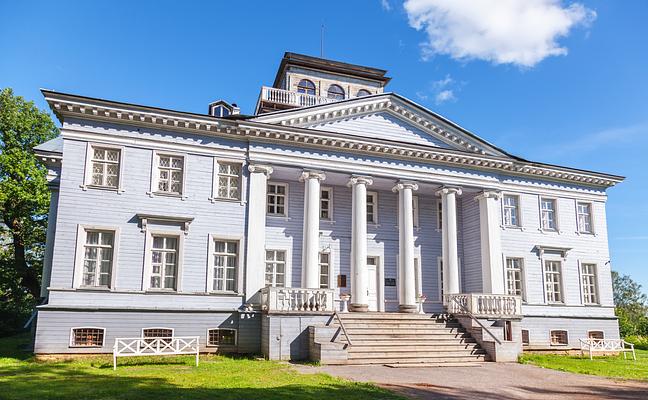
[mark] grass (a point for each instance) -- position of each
(612, 366)
(217, 377)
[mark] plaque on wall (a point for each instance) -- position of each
(390, 281)
(341, 281)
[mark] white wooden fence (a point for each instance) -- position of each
(607, 345)
(279, 299)
(159, 346)
(485, 305)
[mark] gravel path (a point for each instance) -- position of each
(489, 381)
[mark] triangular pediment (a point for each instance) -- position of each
(386, 117)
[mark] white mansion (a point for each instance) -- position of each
(339, 222)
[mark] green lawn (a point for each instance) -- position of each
(217, 377)
(613, 366)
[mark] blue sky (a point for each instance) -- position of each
(567, 86)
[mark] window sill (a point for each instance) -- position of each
(550, 231)
(225, 293)
(85, 347)
(373, 226)
(165, 194)
(278, 216)
(226, 200)
(118, 190)
(93, 289)
(161, 291)
(512, 228)
(327, 221)
(592, 234)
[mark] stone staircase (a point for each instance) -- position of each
(398, 340)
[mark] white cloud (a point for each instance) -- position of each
(385, 5)
(618, 136)
(441, 83)
(519, 32)
(444, 96)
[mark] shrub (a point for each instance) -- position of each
(640, 342)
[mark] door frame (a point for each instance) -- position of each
(380, 282)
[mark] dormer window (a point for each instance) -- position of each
(307, 87)
(221, 111)
(335, 92)
(363, 92)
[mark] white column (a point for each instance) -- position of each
(491, 245)
(310, 244)
(256, 223)
(406, 271)
(359, 283)
(449, 237)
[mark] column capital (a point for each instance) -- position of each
(488, 194)
(449, 190)
(260, 168)
(319, 175)
(400, 185)
(360, 180)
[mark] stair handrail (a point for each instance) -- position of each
(472, 316)
(336, 315)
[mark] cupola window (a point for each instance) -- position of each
(363, 92)
(335, 92)
(307, 87)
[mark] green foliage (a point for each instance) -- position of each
(24, 203)
(610, 366)
(631, 308)
(640, 342)
(217, 377)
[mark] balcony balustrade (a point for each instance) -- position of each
(293, 99)
(279, 299)
(485, 305)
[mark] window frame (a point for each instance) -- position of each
(335, 95)
(304, 90)
(209, 344)
(212, 238)
(155, 174)
(287, 266)
(439, 215)
(380, 276)
(81, 238)
(157, 327)
(556, 211)
(596, 331)
(328, 189)
(551, 343)
(595, 285)
(416, 212)
(330, 282)
(286, 199)
(367, 93)
(78, 346)
(518, 209)
(522, 274)
(374, 213)
(87, 176)
(591, 218)
(215, 180)
(561, 262)
(528, 337)
(148, 260)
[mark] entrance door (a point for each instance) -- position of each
(372, 283)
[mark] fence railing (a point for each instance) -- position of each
(278, 299)
(485, 305)
(607, 345)
(281, 96)
(159, 346)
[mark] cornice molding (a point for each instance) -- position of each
(65, 106)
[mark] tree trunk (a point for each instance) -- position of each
(29, 277)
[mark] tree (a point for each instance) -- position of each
(24, 200)
(631, 305)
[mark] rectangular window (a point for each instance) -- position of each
(548, 214)
(225, 265)
(170, 173)
(552, 281)
(221, 337)
(525, 337)
(588, 283)
(511, 210)
(87, 337)
(326, 204)
(164, 262)
(508, 331)
(584, 217)
(277, 199)
(372, 207)
(98, 258)
(229, 181)
(105, 167)
(415, 211)
(324, 269)
(275, 272)
(439, 215)
(157, 333)
(596, 335)
(559, 338)
(514, 276)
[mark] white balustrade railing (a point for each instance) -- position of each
(281, 96)
(607, 345)
(279, 299)
(484, 305)
(159, 346)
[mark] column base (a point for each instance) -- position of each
(407, 308)
(359, 307)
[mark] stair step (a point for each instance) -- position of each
(398, 325)
(435, 365)
(407, 335)
(360, 348)
(475, 358)
(404, 355)
(410, 342)
(388, 330)
(386, 315)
